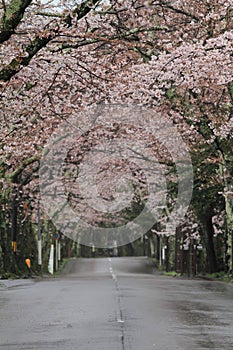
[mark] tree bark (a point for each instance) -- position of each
(210, 251)
(12, 15)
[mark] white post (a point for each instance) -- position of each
(160, 251)
(59, 252)
(51, 260)
(39, 245)
(56, 255)
(164, 253)
(39, 252)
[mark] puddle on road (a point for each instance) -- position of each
(224, 289)
(205, 325)
(195, 313)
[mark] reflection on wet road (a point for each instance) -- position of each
(115, 304)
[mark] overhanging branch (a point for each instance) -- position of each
(13, 176)
(9, 21)
(21, 61)
(103, 38)
(12, 15)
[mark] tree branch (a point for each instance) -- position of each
(167, 4)
(49, 14)
(13, 13)
(13, 176)
(23, 60)
(127, 35)
(10, 20)
(86, 6)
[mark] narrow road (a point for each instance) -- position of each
(115, 304)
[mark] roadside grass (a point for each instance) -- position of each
(218, 276)
(9, 275)
(172, 274)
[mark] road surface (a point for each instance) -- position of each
(115, 304)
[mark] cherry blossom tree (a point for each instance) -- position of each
(172, 56)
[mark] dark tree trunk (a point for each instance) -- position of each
(210, 251)
(178, 251)
(14, 233)
(14, 227)
(158, 247)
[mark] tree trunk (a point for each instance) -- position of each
(178, 251)
(229, 236)
(167, 253)
(210, 251)
(158, 249)
(14, 233)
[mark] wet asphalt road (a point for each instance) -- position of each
(115, 304)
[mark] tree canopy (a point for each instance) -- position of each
(175, 57)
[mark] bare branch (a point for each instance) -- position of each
(84, 8)
(128, 34)
(11, 19)
(21, 61)
(49, 14)
(167, 4)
